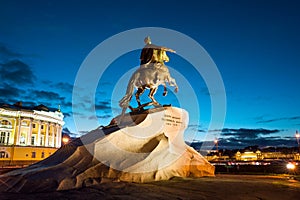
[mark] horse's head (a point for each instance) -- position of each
(176, 89)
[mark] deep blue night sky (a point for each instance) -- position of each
(254, 44)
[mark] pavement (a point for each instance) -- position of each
(243, 187)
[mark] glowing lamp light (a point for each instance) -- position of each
(290, 166)
(65, 140)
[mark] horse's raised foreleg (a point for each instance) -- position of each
(151, 95)
(165, 89)
(138, 93)
(172, 82)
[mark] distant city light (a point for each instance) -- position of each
(65, 140)
(216, 141)
(297, 135)
(290, 166)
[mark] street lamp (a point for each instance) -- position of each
(297, 138)
(290, 166)
(216, 143)
(65, 140)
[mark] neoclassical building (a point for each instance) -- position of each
(28, 134)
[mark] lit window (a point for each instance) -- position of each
(3, 154)
(4, 138)
(5, 122)
(32, 140)
(42, 141)
(22, 139)
(24, 123)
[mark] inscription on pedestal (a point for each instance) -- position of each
(172, 120)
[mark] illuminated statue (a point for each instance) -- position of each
(150, 75)
(154, 54)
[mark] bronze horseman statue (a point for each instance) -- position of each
(152, 73)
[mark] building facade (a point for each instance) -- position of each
(28, 135)
(258, 155)
(249, 156)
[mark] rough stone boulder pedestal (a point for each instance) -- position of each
(147, 146)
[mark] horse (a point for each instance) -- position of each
(148, 76)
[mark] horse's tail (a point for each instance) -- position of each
(124, 102)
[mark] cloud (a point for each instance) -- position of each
(99, 117)
(66, 104)
(262, 121)
(196, 127)
(235, 143)
(82, 132)
(204, 90)
(104, 116)
(67, 114)
(16, 72)
(100, 93)
(86, 106)
(63, 86)
(212, 92)
(7, 91)
(6, 53)
(47, 95)
(67, 131)
(244, 133)
(106, 83)
(261, 142)
(103, 105)
(18, 82)
(49, 99)
(92, 117)
(29, 98)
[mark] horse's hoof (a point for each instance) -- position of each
(157, 106)
(135, 109)
(141, 109)
(131, 108)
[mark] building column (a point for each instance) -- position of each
(19, 131)
(15, 132)
(57, 137)
(53, 136)
(29, 134)
(47, 135)
(38, 140)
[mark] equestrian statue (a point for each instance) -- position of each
(151, 73)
